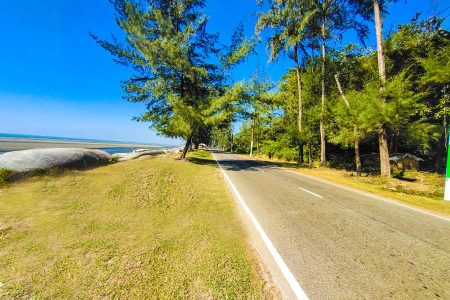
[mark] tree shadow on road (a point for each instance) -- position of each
(240, 164)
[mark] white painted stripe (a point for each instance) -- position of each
(293, 283)
(369, 195)
(310, 192)
(259, 169)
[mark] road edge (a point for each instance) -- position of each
(368, 194)
(295, 287)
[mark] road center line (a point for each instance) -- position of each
(293, 283)
(305, 190)
(367, 194)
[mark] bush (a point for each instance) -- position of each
(6, 175)
(113, 159)
(201, 154)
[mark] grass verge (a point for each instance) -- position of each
(420, 189)
(149, 228)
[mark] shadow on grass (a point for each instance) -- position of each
(408, 179)
(202, 161)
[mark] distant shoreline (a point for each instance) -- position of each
(15, 144)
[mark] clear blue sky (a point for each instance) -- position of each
(54, 79)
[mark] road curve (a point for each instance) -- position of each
(340, 244)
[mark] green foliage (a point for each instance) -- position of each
(181, 76)
(178, 68)
(241, 46)
(437, 66)
(290, 22)
(280, 148)
(6, 175)
(411, 107)
(113, 159)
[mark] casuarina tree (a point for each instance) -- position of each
(364, 8)
(289, 22)
(177, 67)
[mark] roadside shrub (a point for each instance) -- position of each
(6, 175)
(201, 154)
(289, 154)
(113, 159)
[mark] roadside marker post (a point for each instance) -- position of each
(447, 173)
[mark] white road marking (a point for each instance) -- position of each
(305, 190)
(259, 169)
(369, 195)
(293, 283)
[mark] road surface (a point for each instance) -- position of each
(341, 244)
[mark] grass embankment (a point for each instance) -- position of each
(420, 189)
(154, 227)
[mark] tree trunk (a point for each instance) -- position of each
(382, 136)
(309, 154)
(186, 146)
(385, 167)
(251, 145)
(439, 163)
(257, 139)
(357, 157)
(392, 143)
(231, 142)
(323, 158)
(300, 154)
(379, 34)
(300, 105)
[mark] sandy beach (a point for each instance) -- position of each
(14, 144)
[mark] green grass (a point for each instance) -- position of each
(150, 228)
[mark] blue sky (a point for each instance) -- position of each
(54, 79)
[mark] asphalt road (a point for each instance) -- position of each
(340, 244)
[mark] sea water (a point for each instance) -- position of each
(111, 150)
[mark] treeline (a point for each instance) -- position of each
(337, 99)
(339, 102)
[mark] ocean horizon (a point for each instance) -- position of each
(111, 150)
(58, 138)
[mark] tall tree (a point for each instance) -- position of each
(176, 62)
(356, 136)
(385, 167)
(333, 18)
(289, 21)
(363, 8)
(324, 13)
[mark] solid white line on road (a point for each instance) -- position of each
(368, 195)
(305, 190)
(259, 169)
(293, 283)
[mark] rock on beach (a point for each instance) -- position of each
(44, 159)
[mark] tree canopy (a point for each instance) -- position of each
(392, 99)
